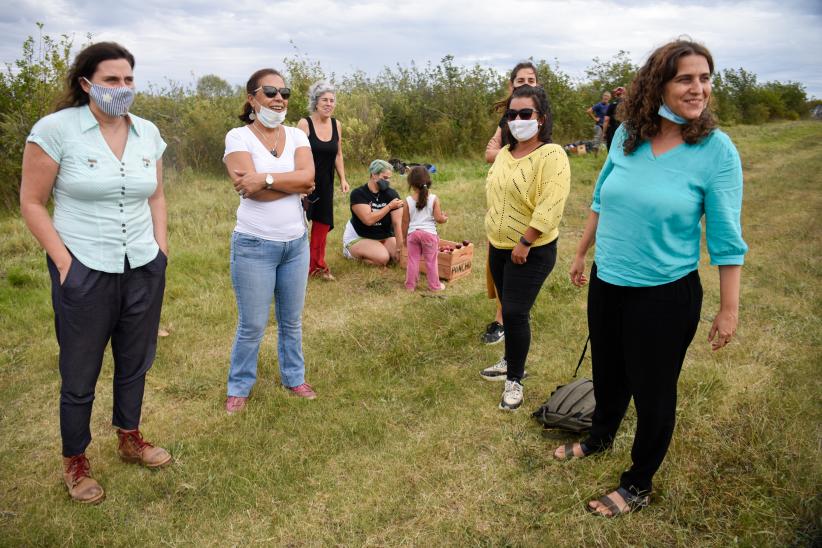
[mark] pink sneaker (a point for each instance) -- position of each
(235, 404)
(304, 391)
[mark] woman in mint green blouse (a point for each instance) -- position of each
(106, 250)
(669, 167)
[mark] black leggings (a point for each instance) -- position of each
(639, 336)
(517, 287)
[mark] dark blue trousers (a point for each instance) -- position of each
(91, 308)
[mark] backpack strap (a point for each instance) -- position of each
(582, 356)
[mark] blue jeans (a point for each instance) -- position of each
(262, 270)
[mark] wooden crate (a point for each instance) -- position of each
(452, 266)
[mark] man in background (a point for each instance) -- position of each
(598, 113)
(611, 120)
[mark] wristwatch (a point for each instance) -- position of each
(525, 242)
(269, 182)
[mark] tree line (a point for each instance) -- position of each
(415, 112)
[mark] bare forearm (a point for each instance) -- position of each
(159, 220)
(285, 184)
(300, 181)
(590, 113)
(729, 282)
(493, 147)
(39, 223)
(369, 218)
(396, 221)
(406, 222)
(588, 234)
(726, 320)
(339, 165)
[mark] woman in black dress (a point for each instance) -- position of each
(325, 136)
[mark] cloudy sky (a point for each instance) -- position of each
(183, 39)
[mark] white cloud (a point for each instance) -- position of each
(775, 40)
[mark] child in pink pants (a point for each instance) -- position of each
(419, 225)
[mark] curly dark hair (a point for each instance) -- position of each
(543, 108)
(253, 84)
(639, 111)
(84, 66)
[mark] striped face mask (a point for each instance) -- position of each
(112, 101)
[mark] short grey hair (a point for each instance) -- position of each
(378, 166)
(316, 91)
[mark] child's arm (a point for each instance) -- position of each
(439, 214)
(406, 220)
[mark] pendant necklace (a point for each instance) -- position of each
(272, 150)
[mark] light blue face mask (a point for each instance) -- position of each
(668, 114)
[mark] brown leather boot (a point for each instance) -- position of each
(81, 486)
(133, 448)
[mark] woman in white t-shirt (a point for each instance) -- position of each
(270, 165)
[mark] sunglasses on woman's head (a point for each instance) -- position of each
(523, 113)
(272, 91)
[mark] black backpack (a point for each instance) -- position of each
(571, 406)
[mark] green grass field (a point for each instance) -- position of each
(405, 445)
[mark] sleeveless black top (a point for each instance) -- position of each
(325, 153)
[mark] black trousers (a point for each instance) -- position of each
(639, 336)
(91, 308)
(517, 288)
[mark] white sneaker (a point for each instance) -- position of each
(498, 371)
(511, 396)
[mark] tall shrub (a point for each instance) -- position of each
(28, 90)
(567, 104)
(361, 118)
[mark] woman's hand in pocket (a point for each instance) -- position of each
(63, 269)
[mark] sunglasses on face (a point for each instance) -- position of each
(272, 91)
(523, 113)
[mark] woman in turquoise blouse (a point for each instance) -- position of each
(106, 250)
(669, 166)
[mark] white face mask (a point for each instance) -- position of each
(522, 130)
(270, 118)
